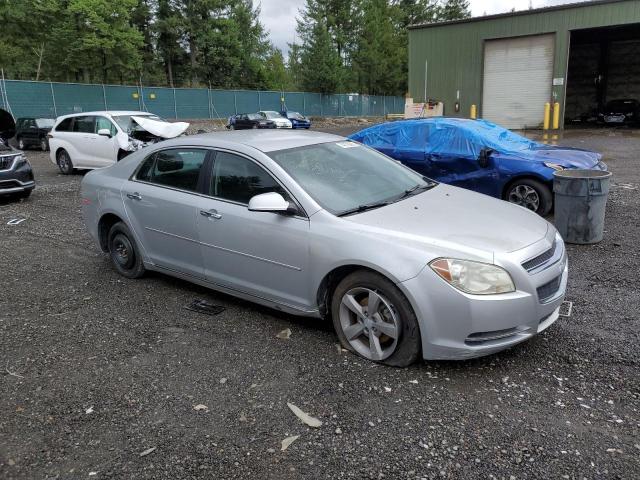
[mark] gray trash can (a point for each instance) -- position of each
(580, 202)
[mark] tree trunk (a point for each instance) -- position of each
(193, 57)
(169, 70)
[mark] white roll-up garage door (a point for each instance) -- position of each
(518, 76)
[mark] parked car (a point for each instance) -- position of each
(621, 112)
(317, 225)
(32, 132)
(245, 121)
(276, 118)
(297, 120)
(16, 175)
(480, 156)
(99, 139)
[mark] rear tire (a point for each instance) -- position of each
(64, 162)
(124, 252)
(44, 145)
(22, 144)
(370, 333)
(531, 194)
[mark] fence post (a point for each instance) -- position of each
(53, 98)
(304, 104)
(104, 97)
(209, 97)
(259, 104)
(321, 105)
(175, 105)
(384, 105)
(235, 102)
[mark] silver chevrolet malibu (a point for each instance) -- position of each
(316, 225)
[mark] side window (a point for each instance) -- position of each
(65, 125)
(105, 123)
(84, 125)
(177, 168)
(237, 179)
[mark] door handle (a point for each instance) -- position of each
(134, 196)
(210, 214)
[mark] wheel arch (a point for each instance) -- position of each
(105, 223)
(525, 176)
(331, 280)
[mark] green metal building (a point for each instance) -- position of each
(580, 55)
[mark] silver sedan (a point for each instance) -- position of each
(316, 225)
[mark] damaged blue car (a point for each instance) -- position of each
(480, 156)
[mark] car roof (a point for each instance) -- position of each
(113, 113)
(268, 141)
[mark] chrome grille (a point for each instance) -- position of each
(6, 162)
(547, 291)
(540, 259)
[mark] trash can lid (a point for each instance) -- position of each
(581, 174)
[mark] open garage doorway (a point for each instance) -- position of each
(603, 77)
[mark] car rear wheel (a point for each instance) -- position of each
(22, 145)
(373, 319)
(44, 145)
(530, 194)
(64, 162)
(124, 252)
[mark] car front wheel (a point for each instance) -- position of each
(373, 319)
(530, 194)
(124, 252)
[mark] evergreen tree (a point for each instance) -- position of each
(454, 10)
(320, 63)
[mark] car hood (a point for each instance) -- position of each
(566, 156)
(7, 126)
(458, 219)
(162, 129)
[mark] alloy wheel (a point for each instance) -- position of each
(21, 144)
(370, 323)
(525, 196)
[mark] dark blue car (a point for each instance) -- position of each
(480, 156)
(297, 119)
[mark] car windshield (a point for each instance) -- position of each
(621, 106)
(295, 115)
(45, 122)
(272, 115)
(128, 125)
(346, 177)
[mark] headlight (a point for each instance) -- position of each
(555, 166)
(473, 277)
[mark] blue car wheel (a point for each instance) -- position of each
(530, 194)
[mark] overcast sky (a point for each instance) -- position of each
(278, 16)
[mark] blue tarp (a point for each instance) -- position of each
(446, 136)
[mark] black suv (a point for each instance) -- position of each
(16, 176)
(32, 132)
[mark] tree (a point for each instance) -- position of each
(320, 63)
(377, 61)
(454, 10)
(277, 77)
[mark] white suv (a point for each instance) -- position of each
(98, 139)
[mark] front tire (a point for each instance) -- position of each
(64, 162)
(530, 194)
(374, 319)
(124, 252)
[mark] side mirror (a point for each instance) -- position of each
(269, 202)
(104, 132)
(485, 155)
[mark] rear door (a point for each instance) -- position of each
(162, 201)
(260, 253)
(82, 138)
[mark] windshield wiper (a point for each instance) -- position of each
(417, 189)
(363, 208)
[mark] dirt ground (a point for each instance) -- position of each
(104, 377)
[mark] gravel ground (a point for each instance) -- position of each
(97, 370)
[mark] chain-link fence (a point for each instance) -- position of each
(50, 99)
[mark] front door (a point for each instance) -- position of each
(260, 253)
(105, 149)
(162, 201)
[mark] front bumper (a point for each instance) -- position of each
(17, 179)
(456, 326)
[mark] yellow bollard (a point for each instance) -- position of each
(547, 116)
(474, 112)
(556, 116)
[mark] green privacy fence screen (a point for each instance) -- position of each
(46, 99)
